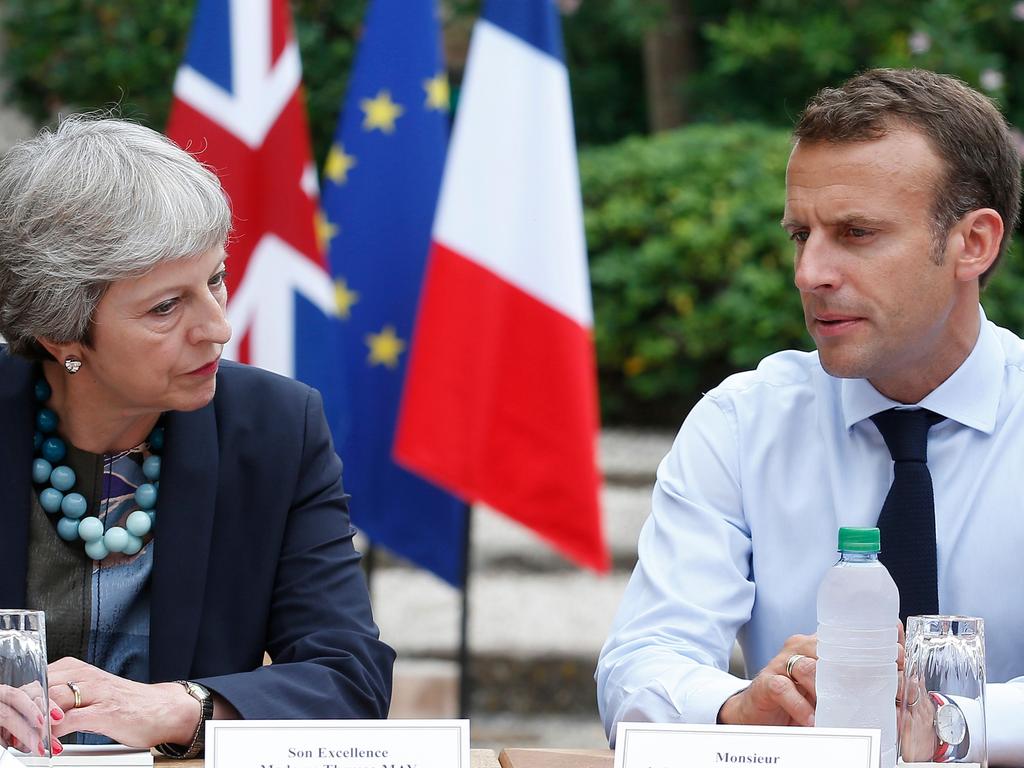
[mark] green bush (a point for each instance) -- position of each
(689, 267)
(692, 275)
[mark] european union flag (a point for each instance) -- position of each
(380, 185)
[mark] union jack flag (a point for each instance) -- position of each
(239, 107)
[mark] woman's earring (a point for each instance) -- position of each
(73, 364)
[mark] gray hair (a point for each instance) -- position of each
(92, 202)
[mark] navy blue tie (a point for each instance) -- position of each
(907, 520)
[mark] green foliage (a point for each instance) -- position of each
(691, 273)
(603, 53)
(763, 60)
(68, 55)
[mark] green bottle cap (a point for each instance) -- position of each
(859, 540)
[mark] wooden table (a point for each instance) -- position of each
(478, 758)
(556, 758)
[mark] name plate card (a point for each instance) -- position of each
(651, 745)
(337, 744)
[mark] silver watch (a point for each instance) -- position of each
(950, 724)
(186, 752)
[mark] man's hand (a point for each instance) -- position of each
(773, 698)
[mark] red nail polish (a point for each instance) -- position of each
(41, 750)
(56, 714)
(57, 747)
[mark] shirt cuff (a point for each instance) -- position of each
(696, 699)
(1004, 709)
(705, 700)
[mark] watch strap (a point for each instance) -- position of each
(203, 695)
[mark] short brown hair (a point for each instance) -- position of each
(965, 129)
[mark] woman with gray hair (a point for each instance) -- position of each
(174, 515)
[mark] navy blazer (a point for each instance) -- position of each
(253, 550)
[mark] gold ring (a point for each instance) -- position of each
(78, 693)
(792, 663)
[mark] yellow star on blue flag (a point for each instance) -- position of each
(380, 112)
(344, 298)
(380, 186)
(438, 92)
(338, 164)
(385, 347)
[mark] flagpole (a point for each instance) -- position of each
(465, 686)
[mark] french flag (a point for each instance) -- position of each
(500, 397)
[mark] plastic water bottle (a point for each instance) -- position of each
(858, 612)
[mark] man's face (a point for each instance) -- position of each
(875, 301)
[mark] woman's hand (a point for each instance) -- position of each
(130, 713)
(23, 719)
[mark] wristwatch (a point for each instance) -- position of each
(950, 727)
(178, 751)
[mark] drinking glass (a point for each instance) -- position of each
(24, 699)
(942, 692)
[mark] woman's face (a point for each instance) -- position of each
(157, 339)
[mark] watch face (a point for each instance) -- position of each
(949, 724)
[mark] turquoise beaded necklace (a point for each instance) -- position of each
(57, 494)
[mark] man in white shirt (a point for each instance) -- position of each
(902, 192)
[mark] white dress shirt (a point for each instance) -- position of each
(745, 515)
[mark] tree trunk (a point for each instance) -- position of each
(668, 62)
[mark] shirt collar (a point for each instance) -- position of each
(969, 396)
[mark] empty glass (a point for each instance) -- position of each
(942, 692)
(24, 699)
